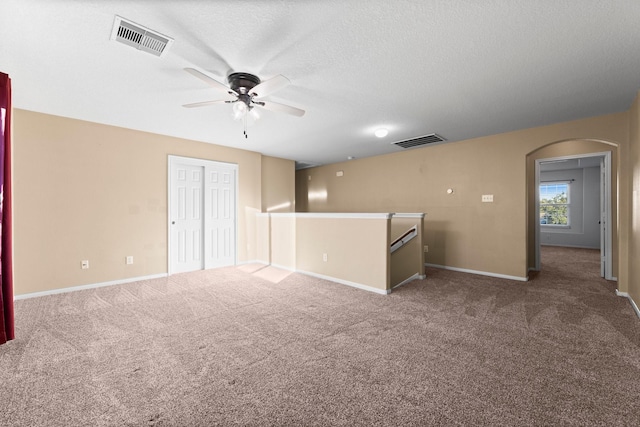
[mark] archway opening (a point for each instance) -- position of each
(572, 203)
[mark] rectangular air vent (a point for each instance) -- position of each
(141, 38)
(421, 140)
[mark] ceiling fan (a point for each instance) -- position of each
(245, 92)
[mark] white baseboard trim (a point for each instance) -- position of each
(409, 279)
(85, 287)
(346, 282)
(633, 303)
(282, 267)
(481, 273)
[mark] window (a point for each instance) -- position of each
(554, 203)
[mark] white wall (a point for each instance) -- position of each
(584, 210)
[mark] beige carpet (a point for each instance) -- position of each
(255, 346)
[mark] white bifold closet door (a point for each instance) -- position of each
(202, 214)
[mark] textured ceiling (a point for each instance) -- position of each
(461, 69)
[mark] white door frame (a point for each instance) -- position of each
(605, 222)
(174, 160)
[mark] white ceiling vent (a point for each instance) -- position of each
(141, 38)
(421, 140)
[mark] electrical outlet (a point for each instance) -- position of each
(129, 260)
(487, 198)
(84, 264)
(324, 257)
(426, 249)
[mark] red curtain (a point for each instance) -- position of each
(6, 251)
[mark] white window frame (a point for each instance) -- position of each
(568, 204)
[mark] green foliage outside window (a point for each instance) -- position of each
(554, 204)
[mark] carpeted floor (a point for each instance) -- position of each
(258, 346)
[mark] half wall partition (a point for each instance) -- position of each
(354, 249)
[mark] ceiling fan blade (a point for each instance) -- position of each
(281, 108)
(270, 86)
(212, 82)
(205, 103)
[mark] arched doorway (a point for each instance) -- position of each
(561, 156)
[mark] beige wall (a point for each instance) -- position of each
(263, 238)
(634, 195)
(277, 195)
(278, 185)
(96, 192)
(357, 249)
(283, 240)
(460, 230)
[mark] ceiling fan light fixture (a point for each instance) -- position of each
(381, 132)
(239, 110)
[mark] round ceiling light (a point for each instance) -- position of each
(381, 133)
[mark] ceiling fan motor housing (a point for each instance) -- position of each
(242, 83)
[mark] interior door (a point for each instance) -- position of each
(187, 217)
(220, 217)
(202, 214)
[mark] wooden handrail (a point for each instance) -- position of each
(402, 240)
